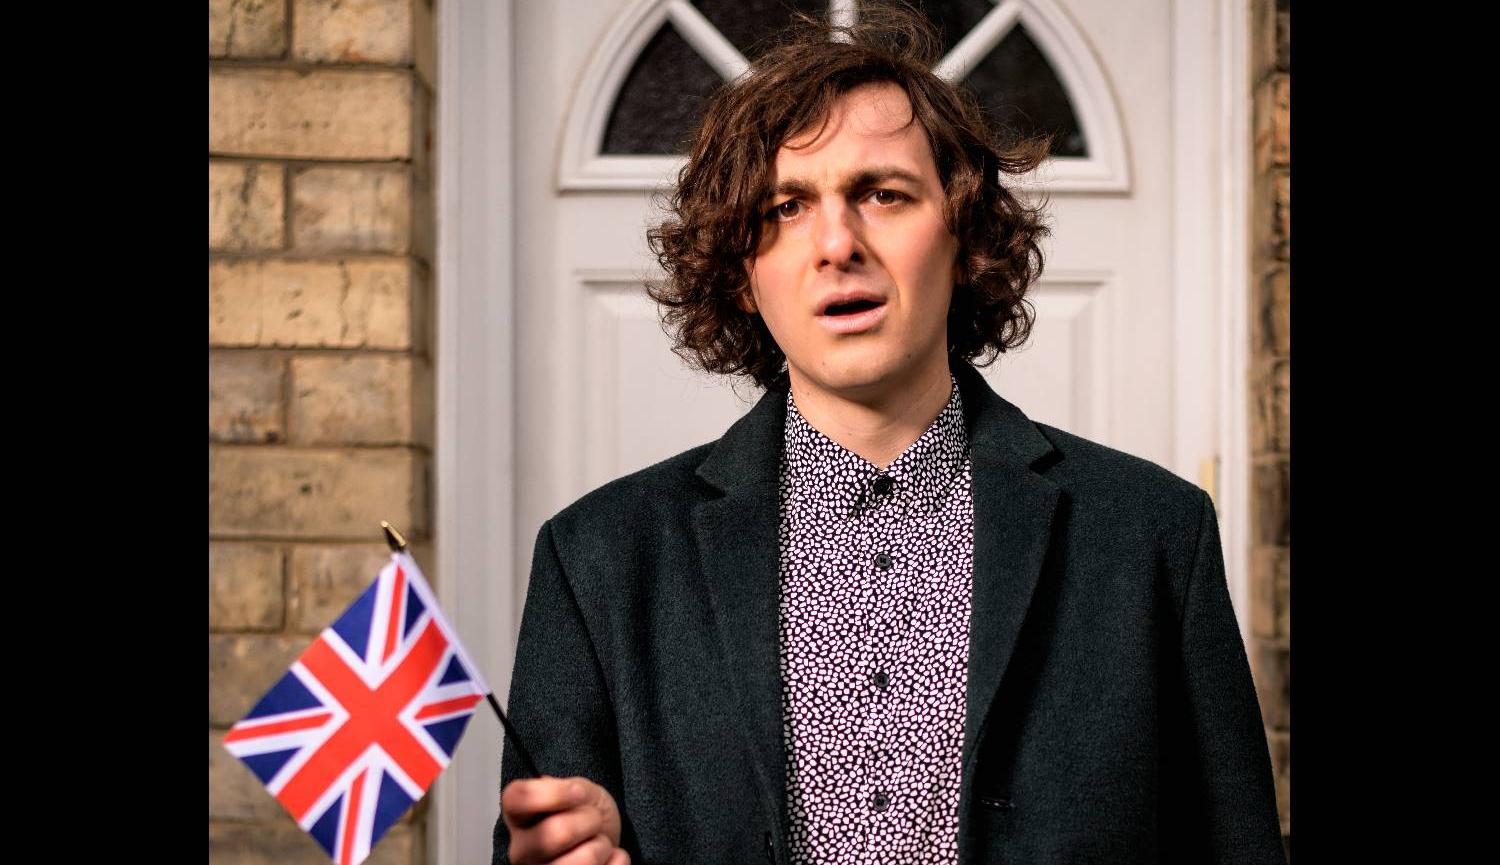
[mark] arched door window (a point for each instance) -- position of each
(1023, 59)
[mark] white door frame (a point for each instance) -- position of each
(475, 361)
(1211, 237)
(477, 578)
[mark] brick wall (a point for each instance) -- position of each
(1270, 386)
(320, 418)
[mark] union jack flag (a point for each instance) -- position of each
(366, 718)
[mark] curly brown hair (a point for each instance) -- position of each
(714, 224)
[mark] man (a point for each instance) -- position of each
(886, 617)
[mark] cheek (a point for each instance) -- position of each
(772, 289)
(938, 270)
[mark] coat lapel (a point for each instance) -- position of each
(1014, 508)
(739, 554)
(737, 536)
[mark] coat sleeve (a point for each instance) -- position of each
(1225, 807)
(559, 703)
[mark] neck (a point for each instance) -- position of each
(878, 426)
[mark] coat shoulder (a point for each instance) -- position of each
(647, 495)
(1127, 511)
(1128, 485)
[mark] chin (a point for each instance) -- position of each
(854, 374)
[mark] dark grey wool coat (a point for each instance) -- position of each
(1111, 715)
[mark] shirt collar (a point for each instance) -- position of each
(820, 471)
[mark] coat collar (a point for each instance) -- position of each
(737, 536)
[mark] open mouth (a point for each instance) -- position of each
(852, 307)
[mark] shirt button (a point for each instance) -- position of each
(883, 485)
(883, 561)
(880, 679)
(879, 802)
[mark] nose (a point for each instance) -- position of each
(837, 239)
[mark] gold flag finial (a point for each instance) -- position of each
(393, 537)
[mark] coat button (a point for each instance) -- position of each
(883, 485)
(880, 678)
(770, 850)
(879, 801)
(883, 561)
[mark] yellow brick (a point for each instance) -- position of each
(234, 793)
(244, 587)
(245, 397)
(1270, 593)
(294, 493)
(1281, 120)
(354, 303)
(424, 42)
(328, 114)
(1281, 383)
(246, 206)
(1283, 215)
(358, 399)
(1284, 39)
(1271, 666)
(1270, 489)
(424, 223)
(352, 31)
(352, 209)
(241, 668)
(1276, 295)
(246, 28)
(1271, 410)
(1262, 38)
(324, 579)
(281, 842)
(1271, 217)
(1281, 763)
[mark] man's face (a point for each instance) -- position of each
(858, 211)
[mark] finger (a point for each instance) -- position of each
(527, 798)
(599, 798)
(620, 857)
(558, 834)
(594, 851)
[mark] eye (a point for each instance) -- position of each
(887, 196)
(785, 210)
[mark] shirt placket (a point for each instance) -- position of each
(880, 661)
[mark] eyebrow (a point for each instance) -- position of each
(858, 180)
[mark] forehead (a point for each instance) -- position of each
(872, 123)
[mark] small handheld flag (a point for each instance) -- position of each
(369, 715)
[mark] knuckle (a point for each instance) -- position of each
(553, 834)
(594, 851)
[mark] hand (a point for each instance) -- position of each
(567, 821)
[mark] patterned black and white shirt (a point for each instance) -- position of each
(876, 579)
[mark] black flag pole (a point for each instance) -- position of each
(526, 765)
(397, 544)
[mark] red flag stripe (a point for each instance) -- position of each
(447, 706)
(351, 820)
(398, 597)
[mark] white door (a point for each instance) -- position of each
(599, 394)
(1124, 351)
